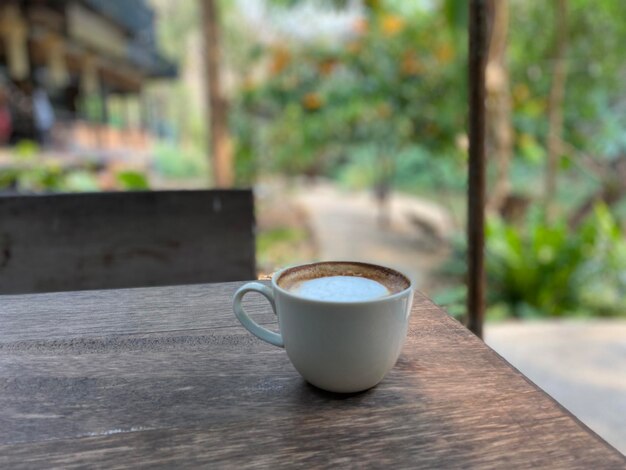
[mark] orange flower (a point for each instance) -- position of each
(326, 67)
(444, 53)
(392, 25)
(312, 101)
(410, 65)
(354, 47)
(280, 59)
(361, 25)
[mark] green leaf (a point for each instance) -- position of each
(456, 13)
(132, 180)
(80, 181)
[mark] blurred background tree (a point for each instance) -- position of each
(380, 104)
(370, 95)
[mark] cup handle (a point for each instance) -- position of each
(253, 327)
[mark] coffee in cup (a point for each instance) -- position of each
(342, 323)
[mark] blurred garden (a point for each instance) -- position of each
(369, 98)
(372, 96)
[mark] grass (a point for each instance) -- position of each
(280, 246)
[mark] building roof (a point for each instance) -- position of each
(136, 18)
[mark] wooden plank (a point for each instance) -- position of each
(114, 240)
(128, 311)
(210, 394)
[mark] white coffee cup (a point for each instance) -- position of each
(339, 346)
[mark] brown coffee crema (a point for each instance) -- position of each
(393, 280)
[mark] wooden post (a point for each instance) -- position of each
(476, 178)
(219, 142)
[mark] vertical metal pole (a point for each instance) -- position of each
(476, 178)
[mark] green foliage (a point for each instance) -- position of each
(54, 178)
(77, 181)
(26, 150)
(32, 178)
(453, 300)
(388, 103)
(416, 167)
(361, 169)
(325, 3)
(179, 19)
(28, 173)
(593, 105)
(553, 270)
(536, 270)
(179, 162)
(246, 163)
(132, 180)
(269, 238)
(280, 245)
(357, 109)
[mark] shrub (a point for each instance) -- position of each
(551, 269)
(178, 162)
(539, 269)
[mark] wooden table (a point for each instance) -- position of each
(165, 377)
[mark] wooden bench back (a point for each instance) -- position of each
(114, 240)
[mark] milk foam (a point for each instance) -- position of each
(340, 289)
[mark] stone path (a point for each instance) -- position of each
(582, 364)
(346, 226)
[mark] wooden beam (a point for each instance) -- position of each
(478, 48)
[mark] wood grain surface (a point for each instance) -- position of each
(69, 242)
(166, 378)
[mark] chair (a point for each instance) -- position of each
(114, 240)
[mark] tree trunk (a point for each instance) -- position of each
(499, 122)
(555, 106)
(219, 141)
